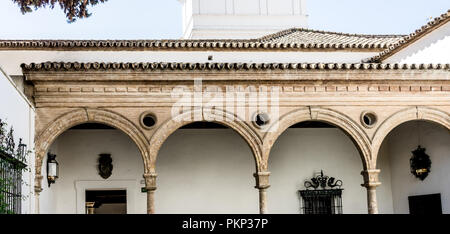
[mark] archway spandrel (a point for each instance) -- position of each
(350, 127)
(431, 114)
(61, 123)
(171, 124)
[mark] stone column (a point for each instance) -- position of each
(150, 186)
(371, 182)
(37, 191)
(262, 183)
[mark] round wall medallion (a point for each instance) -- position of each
(368, 119)
(261, 119)
(148, 120)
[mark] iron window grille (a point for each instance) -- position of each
(325, 197)
(12, 163)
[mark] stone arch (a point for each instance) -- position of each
(350, 128)
(403, 116)
(218, 116)
(80, 116)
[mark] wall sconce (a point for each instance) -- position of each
(52, 169)
(420, 163)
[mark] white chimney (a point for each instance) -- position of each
(240, 19)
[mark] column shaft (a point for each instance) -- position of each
(262, 183)
(371, 182)
(150, 185)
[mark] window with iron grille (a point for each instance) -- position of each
(323, 195)
(12, 163)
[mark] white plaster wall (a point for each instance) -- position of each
(384, 191)
(11, 60)
(77, 153)
(211, 170)
(206, 171)
(17, 112)
(432, 48)
(240, 19)
(299, 153)
(48, 195)
(400, 142)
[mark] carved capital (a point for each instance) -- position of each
(38, 184)
(371, 178)
(150, 181)
(262, 180)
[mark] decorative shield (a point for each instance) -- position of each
(105, 166)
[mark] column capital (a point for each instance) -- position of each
(371, 178)
(38, 184)
(150, 181)
(262, 179)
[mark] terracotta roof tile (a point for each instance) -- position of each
(75, 66)
(409, 39)
(331, 39)
(294, 38)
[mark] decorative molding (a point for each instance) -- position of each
(351, 88)
(101, 66)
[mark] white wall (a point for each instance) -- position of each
(432, 48)
(239, 19)
(400, 142)
(206, 171)
(211, 170)
(77, 153)
(11, 60)
(299, 153)
(17, 112)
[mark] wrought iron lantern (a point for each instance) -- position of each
(21, 150)
(420, 163)
(52, 169)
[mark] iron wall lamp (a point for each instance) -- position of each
(52, 169)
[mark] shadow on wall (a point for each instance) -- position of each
(399, 145)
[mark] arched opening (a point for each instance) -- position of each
(304, 150)
(114, 187)
(205, 167)
(408, 193)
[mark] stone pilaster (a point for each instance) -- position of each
(371, 182)
(150, 185)
(262, 183)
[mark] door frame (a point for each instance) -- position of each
(131, 187)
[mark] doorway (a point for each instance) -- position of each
(106, 201)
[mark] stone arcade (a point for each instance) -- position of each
(349, 104)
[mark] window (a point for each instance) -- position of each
(325, 197)
(322, 201)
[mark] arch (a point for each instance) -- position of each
(353, 130)
(80, 116)
(403, 116)
(218, 116)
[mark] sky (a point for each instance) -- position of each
(161, 19)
